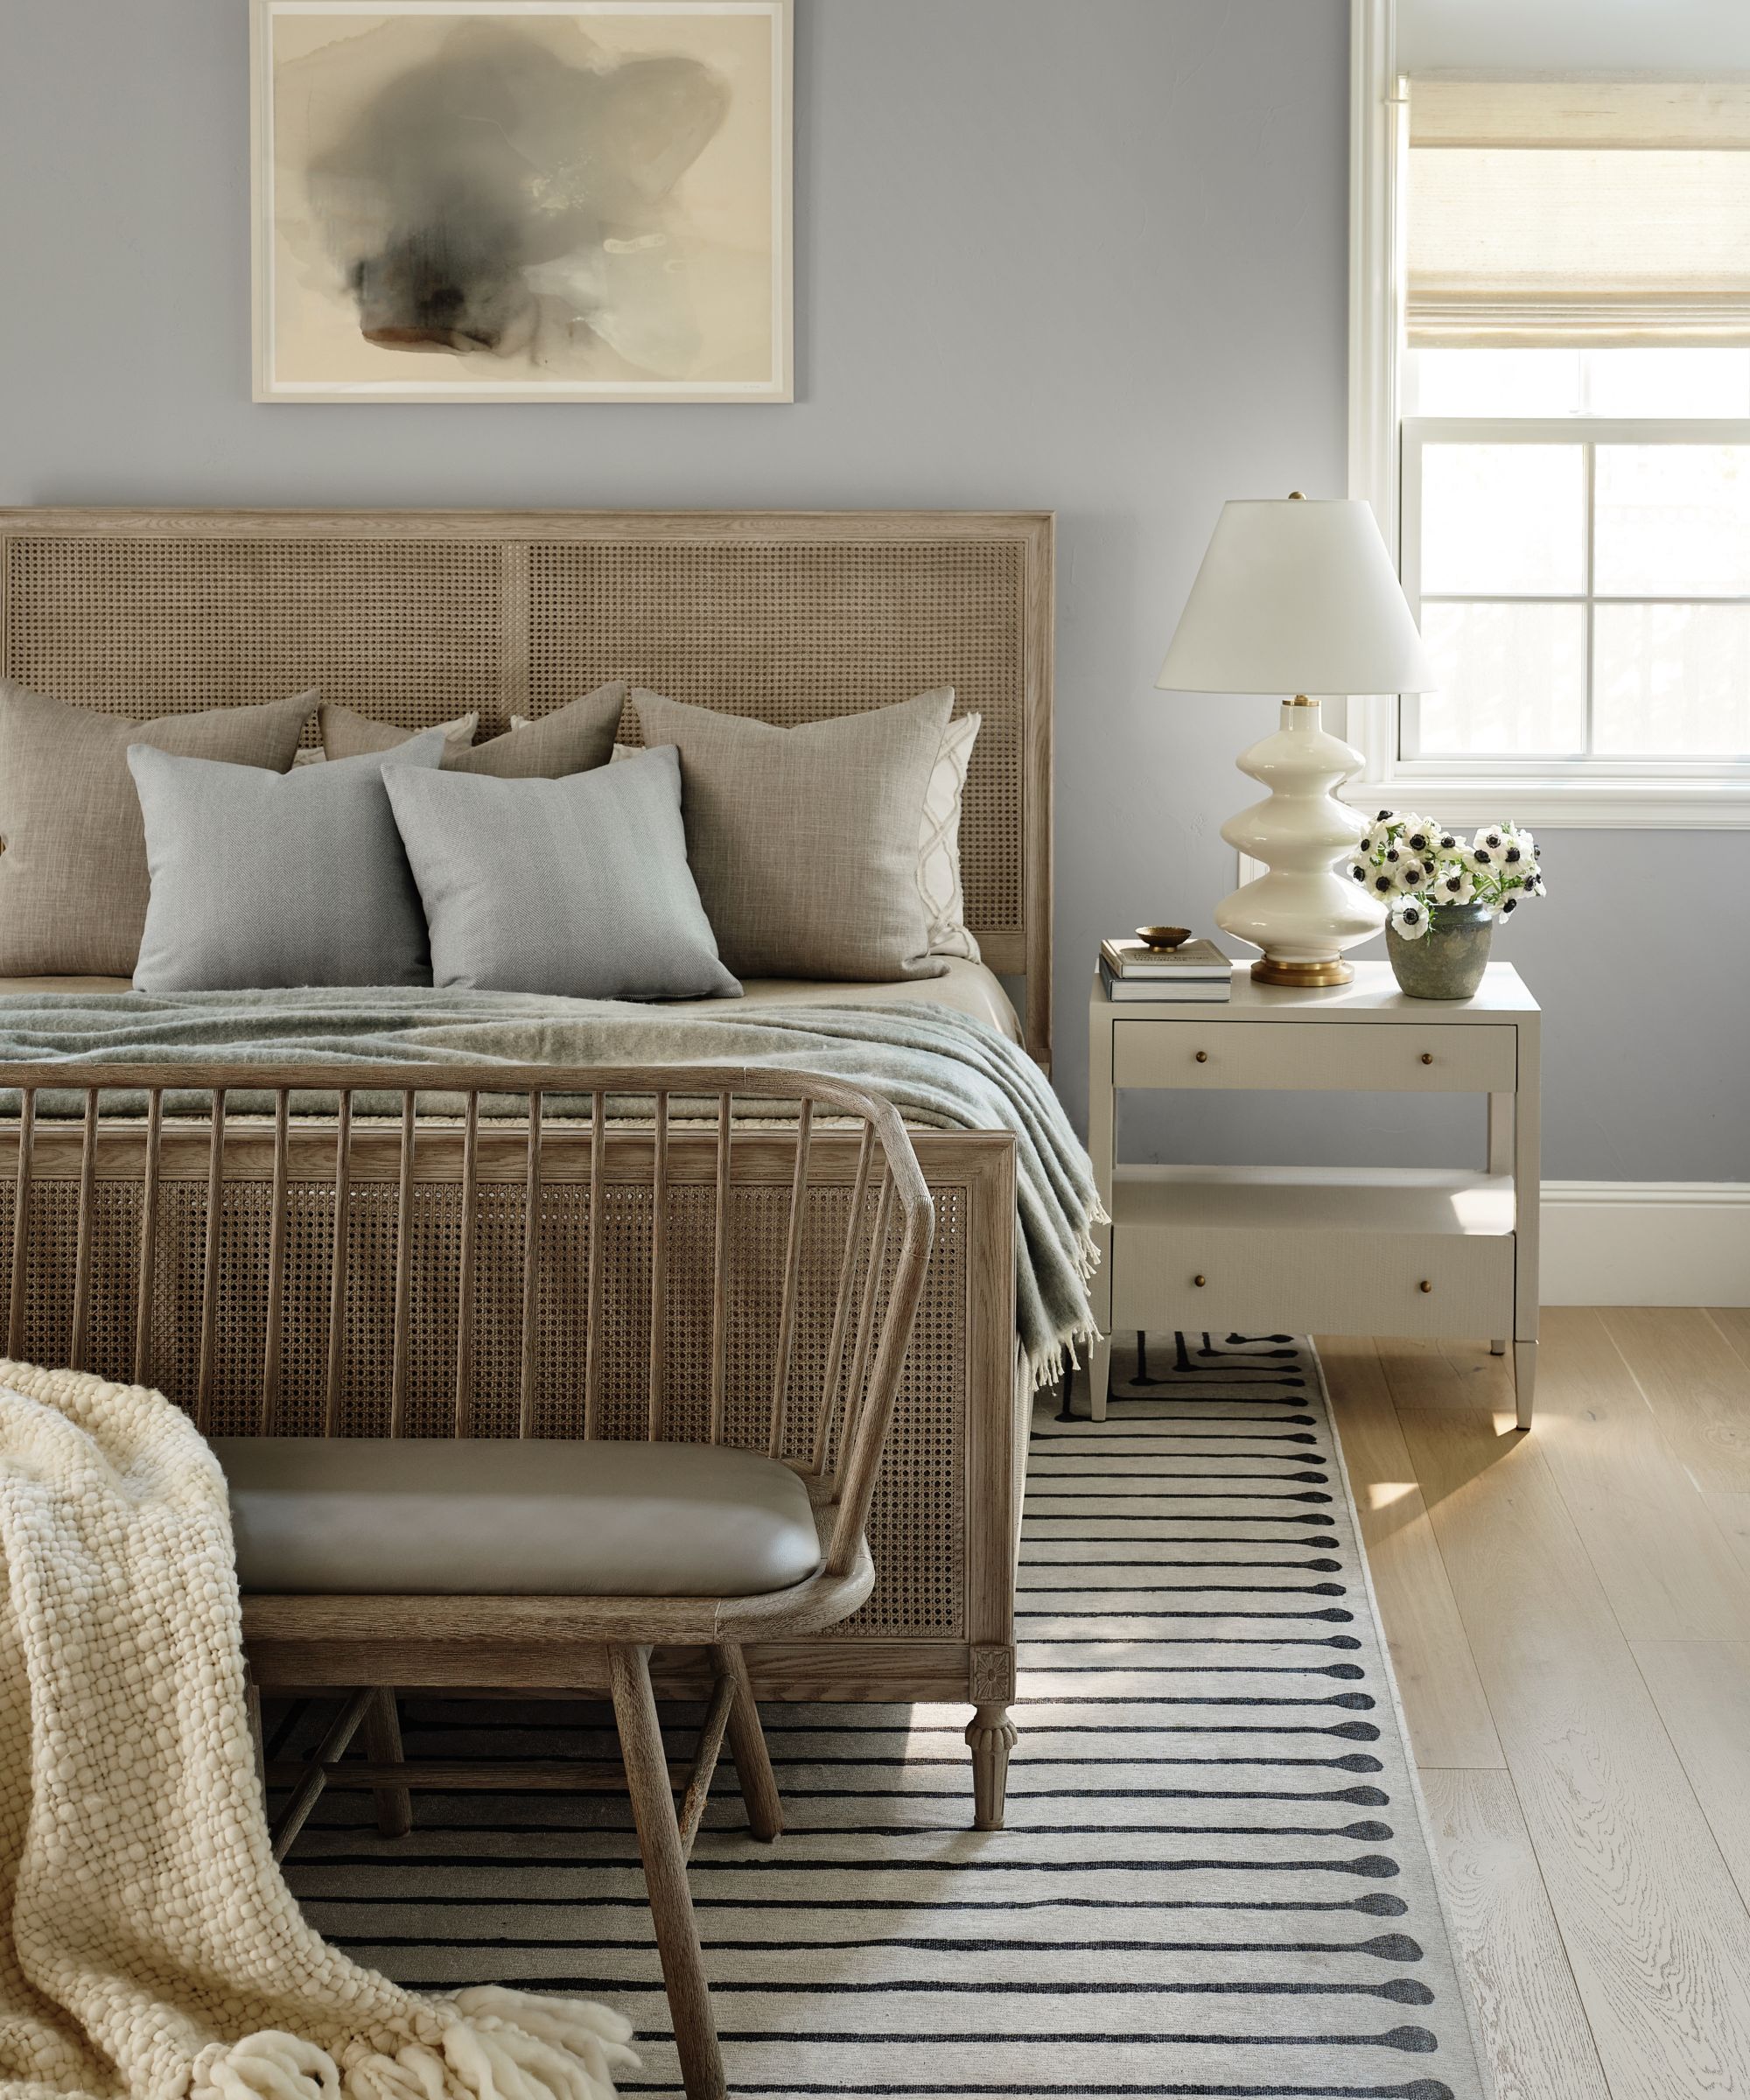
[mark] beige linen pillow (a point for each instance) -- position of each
(804, 840)
(939, 883)
(73, 883)
(347, 734)
(574, 738)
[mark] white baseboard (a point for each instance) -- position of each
(1645, 1243)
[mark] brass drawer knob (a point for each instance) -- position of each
(1202, 1057)
(1427, 1057)
(1425, 1284)
(1200, 1280)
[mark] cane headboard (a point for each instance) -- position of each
(415, 616)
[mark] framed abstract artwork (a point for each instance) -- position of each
(539, 200)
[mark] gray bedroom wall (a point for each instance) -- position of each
(1085, 254)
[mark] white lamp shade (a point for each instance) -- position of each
(1297, 597)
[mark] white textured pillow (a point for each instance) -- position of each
(939, 883)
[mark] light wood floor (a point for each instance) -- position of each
(1569, 1613)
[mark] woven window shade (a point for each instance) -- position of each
(1564, 214)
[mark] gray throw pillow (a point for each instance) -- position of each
(72, 856)
(804, 840)
(263, 878)
(577, 887)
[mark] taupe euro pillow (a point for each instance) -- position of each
(804, 840)
(262, 879)
(573, 739)
(347, 734)
(577, 887)
(73, 852)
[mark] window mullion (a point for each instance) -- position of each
(1591, 529)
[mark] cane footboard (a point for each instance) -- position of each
(293, 1273)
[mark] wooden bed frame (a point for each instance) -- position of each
(416, 617)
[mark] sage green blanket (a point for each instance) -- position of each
(939, 1068)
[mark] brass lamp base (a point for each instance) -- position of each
(1309, 977)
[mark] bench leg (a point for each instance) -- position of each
(747, 1747)
(665, 1872)
(382, 1746)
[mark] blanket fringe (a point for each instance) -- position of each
(487, 2043)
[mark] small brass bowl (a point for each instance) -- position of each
(1162, 940)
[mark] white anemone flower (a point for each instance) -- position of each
(1494, 837)
(1446, 843)
(1410, 918)
(1413, 874)
(1453, 884)
(1359, 871)
(1382, 882)
(1514, 855)
(1508, 904)
(1482, 858)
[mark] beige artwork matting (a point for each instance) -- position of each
(549, 200)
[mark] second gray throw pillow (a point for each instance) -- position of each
(577, 887)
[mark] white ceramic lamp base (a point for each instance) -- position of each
(1303, 913)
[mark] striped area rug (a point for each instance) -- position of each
(1214, 1884)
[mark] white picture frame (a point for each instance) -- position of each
(680, 291)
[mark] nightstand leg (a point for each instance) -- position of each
(1099, 1377)
(1500, 1161)
(1524, 1379)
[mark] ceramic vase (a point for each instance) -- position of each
(1447, 962)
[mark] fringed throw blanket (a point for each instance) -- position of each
(148, 1946)
(939, 1068)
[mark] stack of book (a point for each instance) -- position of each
(1197, 970)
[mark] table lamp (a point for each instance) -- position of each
(1295, 595)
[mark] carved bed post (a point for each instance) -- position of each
(990, 1734)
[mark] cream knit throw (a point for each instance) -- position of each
(148, 1946)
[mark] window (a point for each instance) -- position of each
(1584, 593)
(1571, 455)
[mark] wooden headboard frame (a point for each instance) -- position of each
(415, 616)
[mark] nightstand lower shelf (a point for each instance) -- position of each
(1349, 1252)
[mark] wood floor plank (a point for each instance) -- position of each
(1702, 1690)
(1696, 1383)
(1447, 1375)
(1442, 1699)
(1650, 1916)
(1731, 1514)
(1456, 1375)
(1733, 1322)
(1533, 2025)
(1665, 1566)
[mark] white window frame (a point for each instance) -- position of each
(1588, 794)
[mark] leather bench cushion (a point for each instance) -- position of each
(372, 1516)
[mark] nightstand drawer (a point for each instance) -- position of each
(1266, 1282)
(1398, 1058)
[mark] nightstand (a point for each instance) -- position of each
(1421, 1252)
